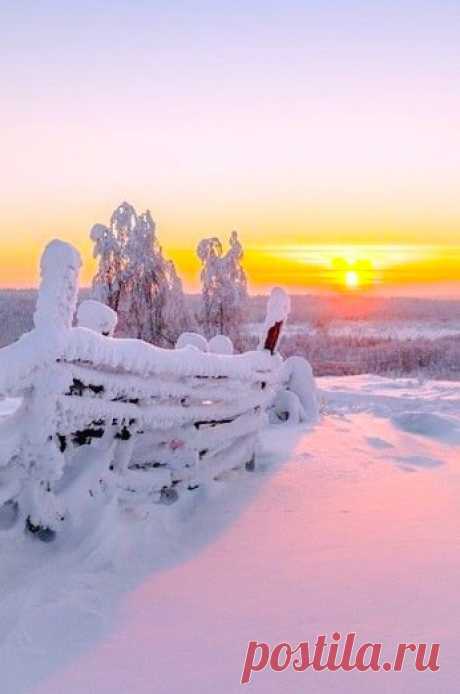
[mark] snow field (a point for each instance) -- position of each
(342, 527)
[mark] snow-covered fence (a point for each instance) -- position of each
(154, 423)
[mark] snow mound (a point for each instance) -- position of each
(288, 408)
(300, 381)
(192, 340)
(220, 344)
(96, 316)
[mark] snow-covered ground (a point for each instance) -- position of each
(353, 526)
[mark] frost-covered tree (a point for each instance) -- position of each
(135, 279)
(224, 288)
(176, 316)
(106, 282)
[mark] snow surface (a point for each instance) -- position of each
(353, 525)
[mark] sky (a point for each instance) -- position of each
(326, 132)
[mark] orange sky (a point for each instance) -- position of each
(392, 268)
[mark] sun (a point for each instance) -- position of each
(351, 279)
(352, 274)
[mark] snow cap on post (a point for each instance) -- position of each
(278, 307)
(57, 297)
(97, 316)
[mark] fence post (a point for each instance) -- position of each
(57, 298)
(278, 307)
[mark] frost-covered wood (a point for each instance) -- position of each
(120, 418)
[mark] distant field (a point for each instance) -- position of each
(402, 329)
(339, 336)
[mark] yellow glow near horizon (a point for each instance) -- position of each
(391, 269)
(383, 268)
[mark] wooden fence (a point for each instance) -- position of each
(160, 422)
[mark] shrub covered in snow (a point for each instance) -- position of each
(298, 400)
